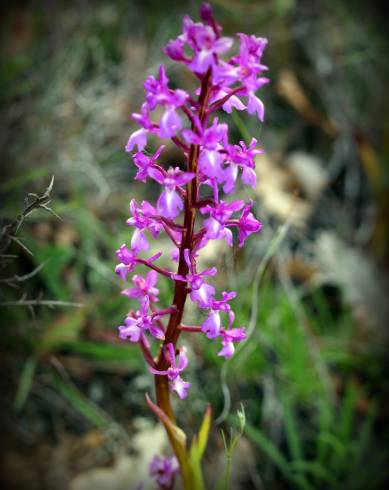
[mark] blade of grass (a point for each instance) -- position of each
(25, 382)
(79, 402)
(291, 429)
(266, 446)
(99, 351)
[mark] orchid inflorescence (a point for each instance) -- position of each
(213, 166)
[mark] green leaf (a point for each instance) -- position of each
(199, 443)
(347, 412)
(25, 382)
(173, 430)
(291, 429)
(204, 432)
(57, 258)
(177, 439)
(91, 412)
(23, 178)
(365, 433)
(105, 352)
(329, 441)
(266, 445)
(230, 446)
(64, 329)
(314, 468)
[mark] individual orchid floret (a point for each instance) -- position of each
(201, 292)
(136, 324)
(229, 337)
(128, 260)
(144, 286)
(177, 384)
(170, 203)
(247, 224)
(212, 326)
(159, 93)
(139, 137)
(175, 51)
(145, 217)
(164, 470)
(175, 368)
(240, 156)
(250, 53)
(216, 225)
(210, 159)
(144, 320)
(245, 69)
(205, 43)
(208, 137)
(143, 162)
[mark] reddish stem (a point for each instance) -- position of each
(160, 270)
(187, 328)
(180, 144)
(180, 290)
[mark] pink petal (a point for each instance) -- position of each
(138, 139)
(169, 124)
(255, 106)
(169, 204)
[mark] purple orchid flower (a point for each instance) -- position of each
(212, 325)
(164, 470)
(177, 384)
(139, 138)
(136, 324)
(144, 286)
(145, 217)
(175, 51)
(210, 159)
(205, 43)
(241, 156)
(216, 225)
(159, 93)
(201, 292)
(247, 224)
(128, 259)
(229, 337)
(144, 163)
(170, 204)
